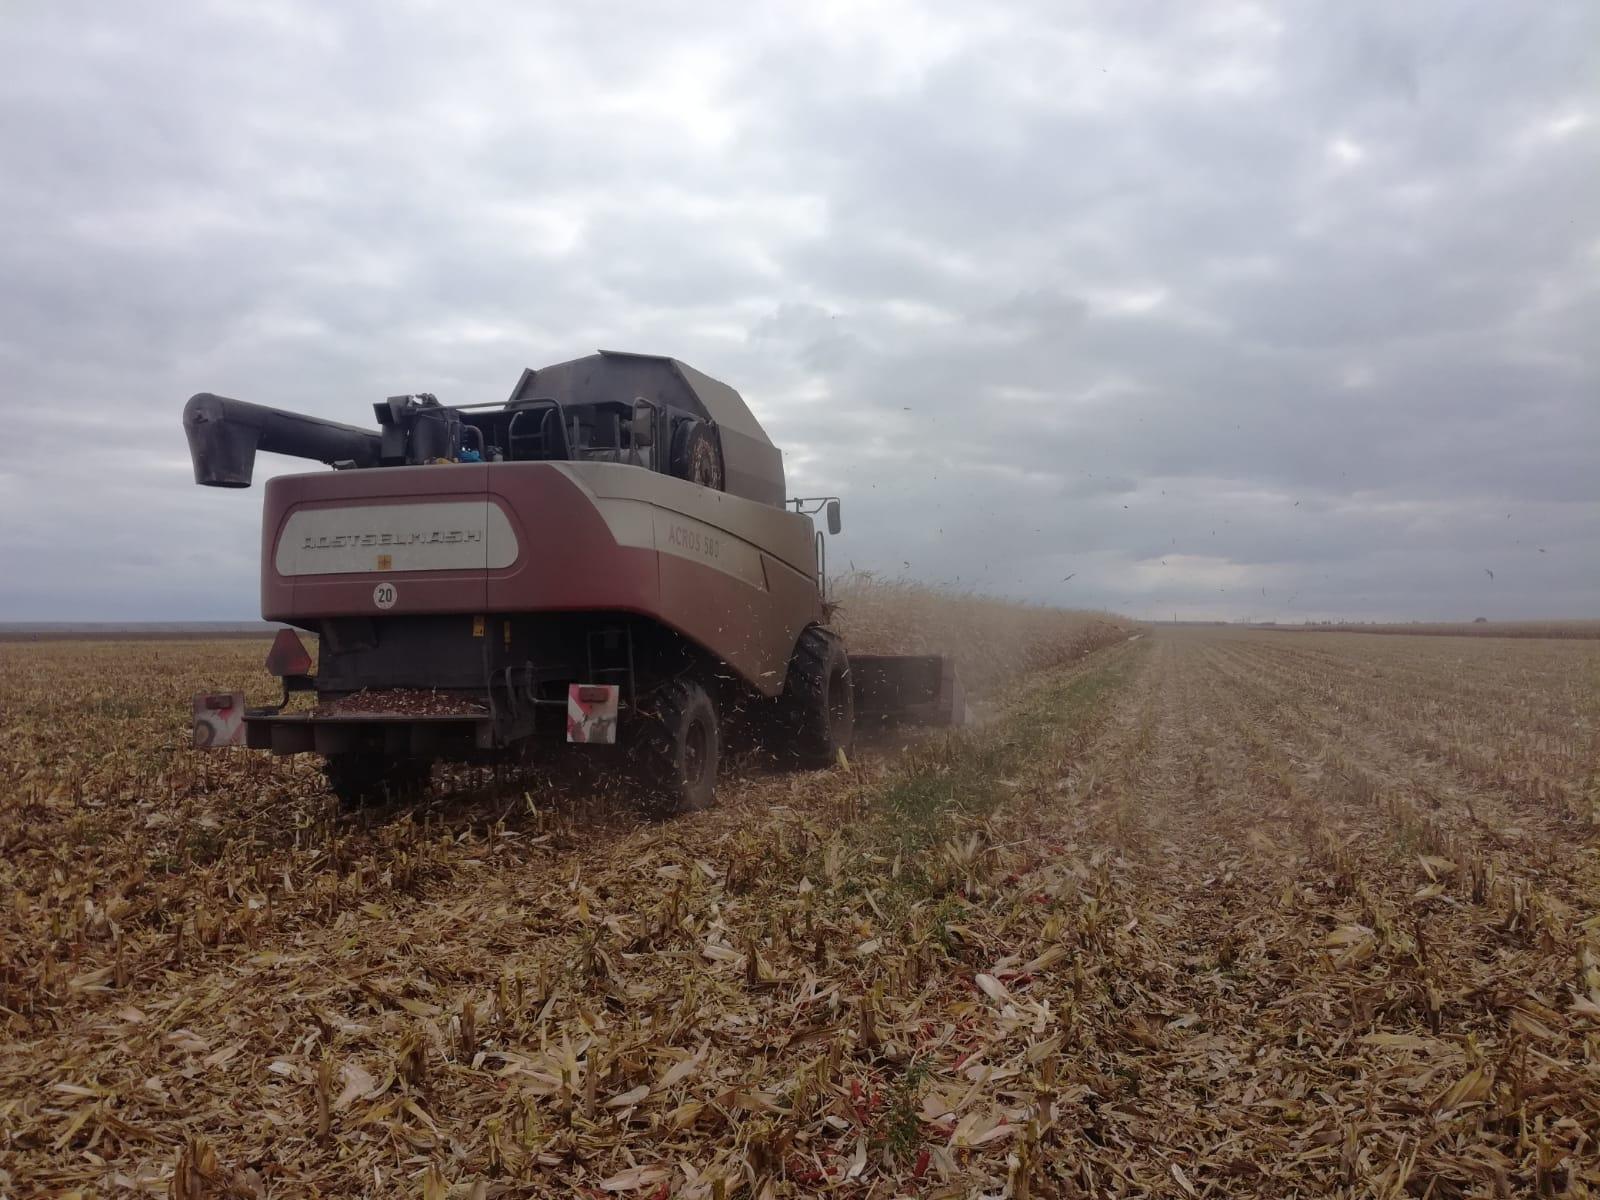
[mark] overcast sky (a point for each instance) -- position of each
(1276, 310)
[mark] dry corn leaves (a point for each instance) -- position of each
(403, 702)
(1231, 929)
(994, 642)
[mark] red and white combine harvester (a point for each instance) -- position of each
(608, 557)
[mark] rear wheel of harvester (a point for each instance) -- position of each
(817, 711)
(363, 777)
(678, 748)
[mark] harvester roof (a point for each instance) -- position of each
(224, 434)
(752, 464)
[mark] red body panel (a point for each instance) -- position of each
(569, 557)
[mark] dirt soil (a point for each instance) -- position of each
(1204, 913)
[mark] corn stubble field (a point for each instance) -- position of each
(1197, 912)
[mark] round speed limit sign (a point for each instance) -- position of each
(384, 595)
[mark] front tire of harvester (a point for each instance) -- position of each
(679, 746)
(362, 778)
(817, 711)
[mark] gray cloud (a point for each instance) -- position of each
(1227, 309)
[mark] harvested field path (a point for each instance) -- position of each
(1207, 913)
(1360, 948)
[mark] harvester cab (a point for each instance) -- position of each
(606, 557)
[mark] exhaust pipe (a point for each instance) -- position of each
(225, 434)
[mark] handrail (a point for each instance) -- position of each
(544, 407)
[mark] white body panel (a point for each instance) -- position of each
(446, 535)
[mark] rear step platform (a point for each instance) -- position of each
(397, 733)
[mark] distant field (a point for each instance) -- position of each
(131, 631)
(1516, 629)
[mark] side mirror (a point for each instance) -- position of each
(833, 517)
(642, 429)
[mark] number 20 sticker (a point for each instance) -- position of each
(384, 595)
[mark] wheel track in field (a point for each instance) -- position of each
(1172, 815)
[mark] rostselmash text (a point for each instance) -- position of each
(433, 537)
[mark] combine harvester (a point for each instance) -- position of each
(608, 556)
